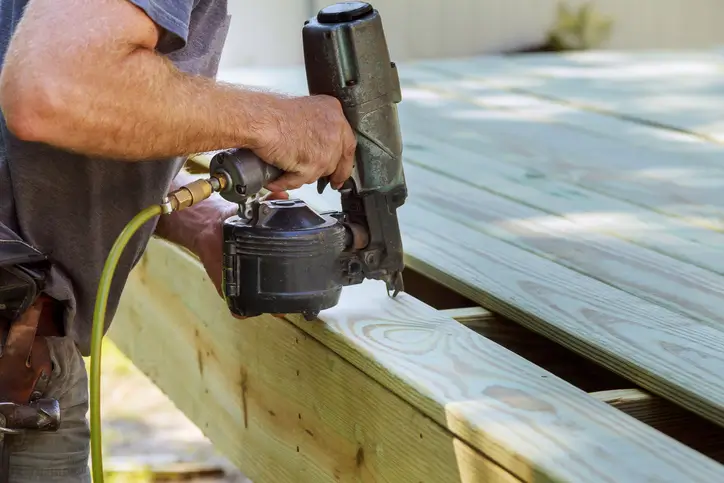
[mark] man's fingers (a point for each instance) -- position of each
(288, 181)
(278, 195)
(344, 168)
(342, 173)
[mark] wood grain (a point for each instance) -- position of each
(485, 394)
(276, 402)
(544, 155)
(670, 419)
(525, 419)
(652, 276)
(541, 351)
(679, 91)
(514, 128)
(670, 354)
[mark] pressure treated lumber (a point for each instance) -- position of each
(635, 338)
(536, 155)
(668, 418)
(661, 279)
(260, 386)
(671, 89)
(676, 90)
(552, 357)
(277, 403)
(558, 145)
(671, 355)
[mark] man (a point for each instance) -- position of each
(101, 100)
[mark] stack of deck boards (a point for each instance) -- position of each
(579, 197)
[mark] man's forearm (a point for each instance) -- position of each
(122, 101)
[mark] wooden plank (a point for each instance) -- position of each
(238, 380)
(670, 419)
(637, 339)
(277, 403)
(643, 342)
(589, 211)
(666, 281)
(552, 166)
(555, 142)
(678, 90)
(669, 90)
(469, 316)
(539, 350)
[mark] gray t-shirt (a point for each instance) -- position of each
(73, 207)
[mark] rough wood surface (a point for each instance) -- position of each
(641, 165)
(610, 305)
(674, 90)
(427, 399)
(277, 403)
(638, 340)
(539, 350)
(652, 276)
(670, 419)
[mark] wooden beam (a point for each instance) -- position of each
(437, 401)
(277, 403)
(470, 316)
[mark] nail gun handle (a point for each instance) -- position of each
(245, 172)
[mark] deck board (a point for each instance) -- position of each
(376, 390)
(676, 90)
(638, 302)
(599, 231)
(587, 149)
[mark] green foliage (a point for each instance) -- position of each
(578, 29)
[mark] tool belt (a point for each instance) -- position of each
(27, 317)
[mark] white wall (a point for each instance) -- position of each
(267, 32)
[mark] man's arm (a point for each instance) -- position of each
(85, 76)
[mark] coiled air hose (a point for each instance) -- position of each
(182, 198)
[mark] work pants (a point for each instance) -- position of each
(61, 456)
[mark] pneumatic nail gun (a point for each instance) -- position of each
(280, 256)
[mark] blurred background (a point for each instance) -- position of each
(146, 437)
(266, 33)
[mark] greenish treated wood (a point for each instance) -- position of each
(677, 90)
(668, 418)
(663, 280)
(670, 354)
(536, 163)
(661, 179)
(280, 405)
(670, 373)
(539, 350)
(588, 210)
(230, 375)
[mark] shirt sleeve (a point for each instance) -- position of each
(173, 16)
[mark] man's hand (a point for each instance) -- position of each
(102, 89)
(313, 140)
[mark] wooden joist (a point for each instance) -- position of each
(377, 389)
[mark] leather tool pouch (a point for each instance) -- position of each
(25, 364)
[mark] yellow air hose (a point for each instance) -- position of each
(178, 200)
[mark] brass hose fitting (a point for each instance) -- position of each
(193, 193)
